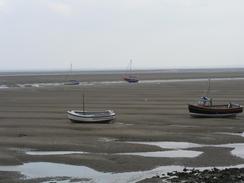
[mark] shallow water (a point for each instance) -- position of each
(171, 145)
(229, 133)
(167, 154)
(189, 80)
(45, 169)
(177, 153)
(123, 82)
(40, 153)
(238, 148)
(178, 150)
(64, 181)
(106, 139)
(3, 87)
(37, 85)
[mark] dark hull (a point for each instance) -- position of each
(72, 82)
(131, 80)
(214, 111)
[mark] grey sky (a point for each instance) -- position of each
(105, 34)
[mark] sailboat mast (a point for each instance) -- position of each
(208, 87)
(71, 69)
(83, 102)
(130, 65)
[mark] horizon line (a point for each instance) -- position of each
(119, 69)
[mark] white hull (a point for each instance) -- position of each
(213, 115)
(91, 117)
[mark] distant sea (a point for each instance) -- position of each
(94, 72)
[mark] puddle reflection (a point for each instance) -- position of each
(45, 169)
(168, 154)
(40, 153)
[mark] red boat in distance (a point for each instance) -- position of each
(131, 78)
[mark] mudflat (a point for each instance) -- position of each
(34, 118)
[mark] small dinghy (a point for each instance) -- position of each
(205, 108)
(91, 117)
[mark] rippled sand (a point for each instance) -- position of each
(35, 118)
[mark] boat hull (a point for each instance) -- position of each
(72, 82)
(96, 117)
(213, 115)
(131, 80)
(214, 111)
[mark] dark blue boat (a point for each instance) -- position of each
(131, 79)
(72, 82)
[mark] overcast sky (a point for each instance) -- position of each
(106, 34)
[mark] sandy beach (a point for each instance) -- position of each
(34, 118)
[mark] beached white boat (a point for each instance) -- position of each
(91, 117)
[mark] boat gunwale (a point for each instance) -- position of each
(215, 107)
(208, 111)
(109, 114)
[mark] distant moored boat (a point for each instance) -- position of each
(131, 78)
(71, 81)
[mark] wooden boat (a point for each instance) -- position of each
(90, 117)
(205, 108)
(131, 78)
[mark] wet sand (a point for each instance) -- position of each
(35, 118)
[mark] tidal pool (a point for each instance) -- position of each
(52, 170)
(46, 169)
(237, 151)
(178, 150)
(40, 153)
(171, 145)
(167, 154)
(3, 87)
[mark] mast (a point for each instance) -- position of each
(71, 68)
(130, 65)
(208, 87)
(83, 101)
